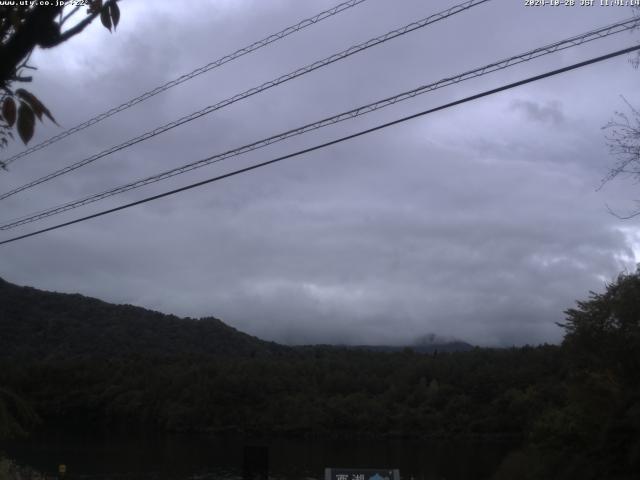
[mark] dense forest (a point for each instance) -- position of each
(573, 410)
(35, 324)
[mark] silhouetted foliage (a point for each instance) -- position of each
(24, 26)
(574, 410)
(623, 140)
(17, 417)
(48, 326)
(599, 424)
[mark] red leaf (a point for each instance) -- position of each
(95, 6)
(26, 122)
(36, 105)
(9, 111)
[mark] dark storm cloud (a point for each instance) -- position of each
(550, 112)
(480, 222)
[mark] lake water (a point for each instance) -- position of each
(164, 457)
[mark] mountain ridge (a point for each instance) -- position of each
(49, 325)
(41, 324)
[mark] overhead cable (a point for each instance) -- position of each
(253, 91)
(188, 76)
(356, 112)
(332, 142)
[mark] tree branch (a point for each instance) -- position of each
(66, 17)
(622, 217)
(80, 26)
(32, 32)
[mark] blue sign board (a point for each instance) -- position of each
(361, 474)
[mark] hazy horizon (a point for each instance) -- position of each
(424, 339)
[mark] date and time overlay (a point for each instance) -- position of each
(527, 3)
(582, 3)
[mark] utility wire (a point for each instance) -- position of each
(362, 110)
(255, 90)
(188, 76)
(332, 142)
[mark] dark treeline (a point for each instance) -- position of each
(573, 410)
(328, 391)
(35, 324)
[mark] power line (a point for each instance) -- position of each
(362, 110)
(332, 142)
(255, 90)
(188, 76)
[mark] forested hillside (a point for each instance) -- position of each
(45, 325)
(572, 410)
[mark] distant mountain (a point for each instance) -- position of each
(444, 347)
(431, 342)
(36, 324)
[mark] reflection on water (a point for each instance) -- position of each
(167, 457)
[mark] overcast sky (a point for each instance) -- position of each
(480, 223)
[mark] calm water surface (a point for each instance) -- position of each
(164, 457)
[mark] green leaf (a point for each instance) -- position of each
(114, 10)
(105, 19)
(26, 122)
(36, 105)
(9, 111)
